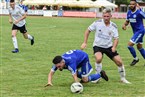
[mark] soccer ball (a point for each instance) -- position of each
(76, 87)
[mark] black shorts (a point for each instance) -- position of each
(107, 51)
(22, 29)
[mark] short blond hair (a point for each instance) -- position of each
(107, 10)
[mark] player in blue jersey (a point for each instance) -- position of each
(77, 62)
(135, 17)
(23, 6)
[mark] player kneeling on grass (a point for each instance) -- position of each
(74, 60)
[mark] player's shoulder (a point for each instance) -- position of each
(98, 21)
(18, 7)
(114, 25)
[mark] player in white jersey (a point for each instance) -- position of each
(17, 17)
(105, 32)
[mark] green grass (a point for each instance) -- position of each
(24, 74)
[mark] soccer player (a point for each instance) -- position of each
(77, 62)
(17, 17)
(135, 17)
(23, 6)
(105, 32)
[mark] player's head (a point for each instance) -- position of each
(133, 5)
(12, 3)
(107, 15)
(21, 1)
(59, 62)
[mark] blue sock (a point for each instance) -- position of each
(79, 74)
(132, 51)
(93, 77)
(142, 51)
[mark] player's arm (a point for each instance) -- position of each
(115, 43)
(75, 77)
(125, 24)
(10, 19)
(50, 75)
(84, 44)
(20, 19)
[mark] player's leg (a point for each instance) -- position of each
(98, 56)
(139, 45)
(134, 40)
(14, 39)
(86, 69)
(141, 50)
(118, 61)
(26, 35)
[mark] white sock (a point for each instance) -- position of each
(30, 37)
(15, 42)
(98, 67)
(136, 58)
(121, 70)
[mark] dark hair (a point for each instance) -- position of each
(12, 1)
(133, 0)
(57, 59)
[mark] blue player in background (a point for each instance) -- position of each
(23, 6)
(77, 62)
(135, 17)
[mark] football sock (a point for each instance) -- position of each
(79, 74)
(30, 37)
(94, 77)
(132, 51)
(98, 67)
(15, 42)
(142, 51)
(121, 70)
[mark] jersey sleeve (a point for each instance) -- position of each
(72, 68)
(142, 14)
(22, 12)
(26, 8)
(54, 68)
(92, 27)
(115, 31)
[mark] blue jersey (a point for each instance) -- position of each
(74, 59)
(24, 7)
(136, 20)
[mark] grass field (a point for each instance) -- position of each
(24, 74)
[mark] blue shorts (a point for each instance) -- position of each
(86, 67)
(137, 37)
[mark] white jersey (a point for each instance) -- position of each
(104, 34)
(17, 13)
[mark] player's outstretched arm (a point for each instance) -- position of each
(51, 73)
(84, 44)
(10, 19)
(125, 24)
(75, 77)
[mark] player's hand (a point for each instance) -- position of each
(83, 46)
(113, 49)
(124, 27)
(15, 22)
(10, 21)
(49, 84)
